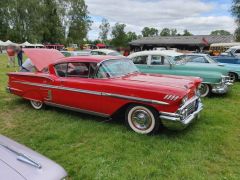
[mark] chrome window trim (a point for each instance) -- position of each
(95, 93)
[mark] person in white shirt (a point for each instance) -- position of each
(27, 66)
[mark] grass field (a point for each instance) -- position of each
(88, 147)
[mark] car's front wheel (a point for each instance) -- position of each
(204, 90)
(233, 77)
(36, 104)
(142, 119)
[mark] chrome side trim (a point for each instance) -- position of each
(32, 74)
(95, 93)
(76, 109)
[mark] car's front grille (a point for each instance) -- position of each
(191, 107)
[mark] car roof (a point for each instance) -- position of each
(96, 59)
(235, 47)
(156, 52)
(107, 51)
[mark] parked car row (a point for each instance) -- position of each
(150, 88)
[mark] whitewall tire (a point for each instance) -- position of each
(204, 90)
(36, 104)
(142, 120)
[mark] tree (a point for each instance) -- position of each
(131, 36)
(236, 13)
(104, 30)
(173, 32)
(146, 32)
(79, 21)
(165, 32)
(187, 33)
(220, 32)
(53, 31)
(119, 36)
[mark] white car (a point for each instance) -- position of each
(21, 163)
(235, 50)
(108, 52)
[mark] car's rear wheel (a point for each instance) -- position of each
(36, 104)
(233, 76)
(204, 90)
(142, 119)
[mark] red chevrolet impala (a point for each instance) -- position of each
(104, 86)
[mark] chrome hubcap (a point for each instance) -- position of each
(232, 77)
(203, 89)
(141, 119)
(37, 103)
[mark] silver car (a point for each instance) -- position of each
(21, 163)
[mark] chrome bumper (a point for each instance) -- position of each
(175, 121)
(221, 89)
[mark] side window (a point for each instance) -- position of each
(61, 70)
(140, 60)
(237, 51)
(158, 60)
(78, 69)
(199, 60)
(94, 53)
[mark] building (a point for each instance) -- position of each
(191, 43)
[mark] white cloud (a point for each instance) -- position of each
(180, 14)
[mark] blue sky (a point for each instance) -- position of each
(198, 16)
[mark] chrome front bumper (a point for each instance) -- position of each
(221, 88)
(175, 121)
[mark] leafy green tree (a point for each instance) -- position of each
(79, 21)
(119, 36)
(173, 32)
(236, 13)
(187, 33)
(104, 30)
(146, 32)
(165, 32)
(53, 31)
(220, 32)
(131, 36)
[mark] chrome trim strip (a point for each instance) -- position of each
(95, 93)
(76, 109)
(25, 74)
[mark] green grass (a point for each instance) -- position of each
(90, 148)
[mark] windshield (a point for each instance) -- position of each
(193, 58)
(114, 54)
(116, 68)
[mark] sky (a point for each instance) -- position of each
(200, 17)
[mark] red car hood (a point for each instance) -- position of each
(41, 58)
(164, 80)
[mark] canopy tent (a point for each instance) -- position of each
(27, 44)
(2, 43)
(8, 43)
(38, 45)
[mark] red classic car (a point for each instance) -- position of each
(106, 85)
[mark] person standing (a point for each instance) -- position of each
(11, 56)
(20, 56)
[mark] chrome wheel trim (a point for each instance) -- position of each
(36, 104)
(232, 77)
(141, 120)
(204, 90)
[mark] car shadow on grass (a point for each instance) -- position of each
(115, 121)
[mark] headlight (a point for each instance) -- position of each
(184, 100)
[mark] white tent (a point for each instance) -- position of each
(9, 43)
(2, 43)
(26, 44)
(38, 45)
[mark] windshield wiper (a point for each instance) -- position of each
(23, 158)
